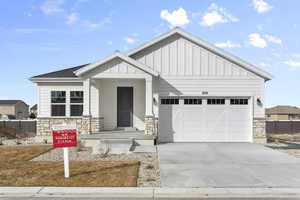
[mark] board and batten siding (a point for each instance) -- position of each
(44, 96)
(188, 69)
(115, 66)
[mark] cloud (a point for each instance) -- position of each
(52, 6)
(293, 64)
(215, 15)
(72, 18)
(176, 18)
(130, 40)
(261, 6)
(273, 39)
(227, 44)
(262, 64)
(257, 41)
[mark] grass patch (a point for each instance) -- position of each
(17, 170)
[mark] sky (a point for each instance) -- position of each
(40, 36)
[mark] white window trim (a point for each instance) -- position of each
(67, 104)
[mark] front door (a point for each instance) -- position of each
(125, 106)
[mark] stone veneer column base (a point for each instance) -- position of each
(259, 131)
(97, 124)
(84, 125)
(149, 125)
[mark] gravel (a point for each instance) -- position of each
(149, 175)
(23, 141)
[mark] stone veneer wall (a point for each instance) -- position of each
(85, 124)
(150, 125)
(97, 124)
(259, 130)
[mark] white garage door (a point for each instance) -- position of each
(192, 119)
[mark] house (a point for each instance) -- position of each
(174, 88)
(283, 113)
(17, 109)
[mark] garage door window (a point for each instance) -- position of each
(169, 101)
(192, 101)
(215, 101)
(239, 101)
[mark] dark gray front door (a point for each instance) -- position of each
(125, 106)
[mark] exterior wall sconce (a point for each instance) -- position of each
(259, 102)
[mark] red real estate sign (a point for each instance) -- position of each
(64, 138)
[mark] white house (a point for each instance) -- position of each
(174, 88)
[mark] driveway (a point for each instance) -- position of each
(226, 165)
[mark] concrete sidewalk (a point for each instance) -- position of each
(149, 193)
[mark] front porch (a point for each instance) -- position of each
(138, 137)
(119, 93)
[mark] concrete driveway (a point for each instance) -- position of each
(226, 165)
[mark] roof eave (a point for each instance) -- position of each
(58, 79)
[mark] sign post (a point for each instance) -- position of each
(64, 137)
(66, 162)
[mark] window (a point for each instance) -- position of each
(76, 100)
(239, 101)
(58, 103)
(169, 101)
(215, 101)
(192, 101)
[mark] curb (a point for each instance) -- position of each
(134, 192)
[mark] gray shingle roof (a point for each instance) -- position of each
(34, 107)
(283, 110)
(10, 102)
(65, 73)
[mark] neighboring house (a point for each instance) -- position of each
(283, 113)
(33, 110)
(175, 87)
(17, 108)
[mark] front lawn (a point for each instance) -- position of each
(16, 169)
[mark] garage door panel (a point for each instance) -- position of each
(205, 123)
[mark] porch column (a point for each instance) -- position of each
(149, 118)
(86, 118)
(149, 97)
(86, 97)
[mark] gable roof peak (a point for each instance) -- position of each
(265, 75)
(123, 57)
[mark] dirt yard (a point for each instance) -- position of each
(16, 169)
(288, 143)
